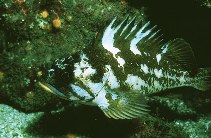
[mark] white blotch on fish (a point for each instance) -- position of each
(110, 78)
(101, 99)
(135, 82)
(81, 92)
(144, 68)
(159, 56)
(108, 43)
(83, 68)
(139, 35)
(158, 73)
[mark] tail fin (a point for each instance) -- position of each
(203, 79)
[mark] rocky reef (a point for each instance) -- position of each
(33, 33)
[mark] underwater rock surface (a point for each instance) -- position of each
(13, 123)
(34, 33)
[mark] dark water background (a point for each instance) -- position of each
(185, 19)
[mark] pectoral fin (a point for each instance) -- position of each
(127, 105)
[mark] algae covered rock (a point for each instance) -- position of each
(14, 123)
(35, 33)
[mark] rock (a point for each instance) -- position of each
(13, 123)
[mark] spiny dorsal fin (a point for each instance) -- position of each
(181, 53)
(128, 39)
(136, 38)
(127, 105)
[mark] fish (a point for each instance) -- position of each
(125, 64)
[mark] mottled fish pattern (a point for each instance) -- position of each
(127, 62)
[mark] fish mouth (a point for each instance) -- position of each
(49, 88)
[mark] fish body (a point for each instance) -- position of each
(125, 64)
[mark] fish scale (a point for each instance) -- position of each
(123, 66)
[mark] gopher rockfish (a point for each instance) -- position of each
(125, 64)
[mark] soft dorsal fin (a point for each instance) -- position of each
(180, 52)
(127, 105)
